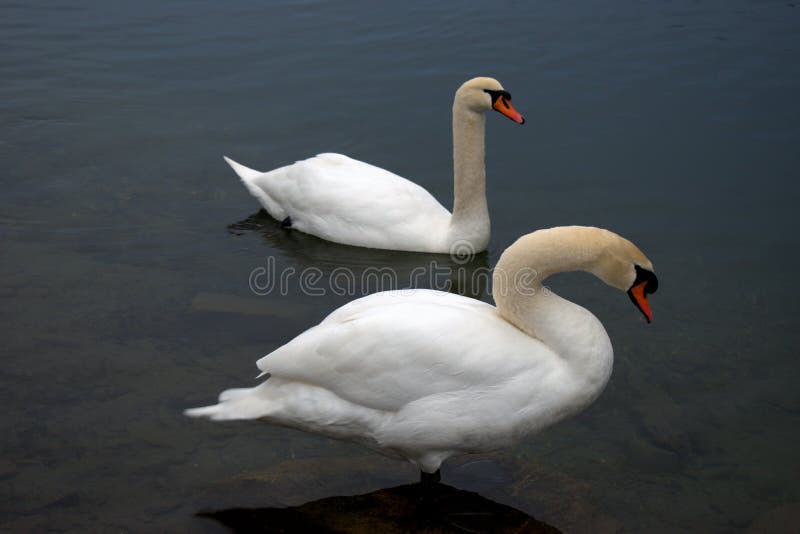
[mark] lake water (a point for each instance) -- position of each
(125, 276)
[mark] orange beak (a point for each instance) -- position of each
(504, 106)
(639, 297)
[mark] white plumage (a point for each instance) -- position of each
(424, 375)
(348, 201)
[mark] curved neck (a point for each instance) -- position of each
(470, 212)
(570, 330)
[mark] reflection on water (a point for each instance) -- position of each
(534, 488)
(355, 271)
(401, 509)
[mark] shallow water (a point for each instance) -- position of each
(126, 294)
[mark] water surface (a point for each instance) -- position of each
(126, 294)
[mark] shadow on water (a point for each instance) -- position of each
(397, 509)
(378, 270)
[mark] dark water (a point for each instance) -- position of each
(125, 296)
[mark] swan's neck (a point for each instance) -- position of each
(573, 332)
(470, 219)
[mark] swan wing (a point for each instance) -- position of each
(388, 349)
(348, 201)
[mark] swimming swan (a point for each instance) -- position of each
(424, 375)
(351, 202)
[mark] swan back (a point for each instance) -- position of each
(348, 201)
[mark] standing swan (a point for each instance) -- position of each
(354, 203)
(424, 375)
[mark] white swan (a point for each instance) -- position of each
(424, 375)
(351, 202)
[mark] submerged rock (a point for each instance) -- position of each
(410, 508)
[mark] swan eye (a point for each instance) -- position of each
(643, 275)
(498, 94)
(646, 283)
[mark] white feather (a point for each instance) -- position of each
(348, 201)
(424, 374)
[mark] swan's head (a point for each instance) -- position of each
(482, 94)
(622, 265)
(612, 258)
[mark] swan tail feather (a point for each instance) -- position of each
(258, 188)
(239, 403)
(205, 411)
(235, 393)
(245, 173)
